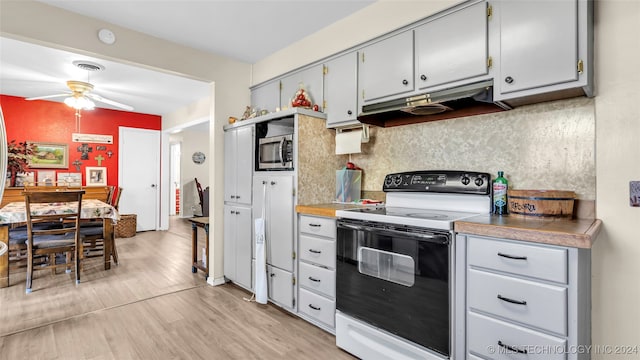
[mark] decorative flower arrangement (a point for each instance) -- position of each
(18, 154)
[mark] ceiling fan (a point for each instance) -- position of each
(80, 97)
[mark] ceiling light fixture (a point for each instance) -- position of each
(79, 103)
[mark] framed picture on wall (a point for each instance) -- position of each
(70, 179)
(49, 155)
(46, 178)
(96, 176)
(25, 178)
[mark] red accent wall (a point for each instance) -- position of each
(49, 121)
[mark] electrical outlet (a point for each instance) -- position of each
(634, 193)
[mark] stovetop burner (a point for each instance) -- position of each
(429, 199)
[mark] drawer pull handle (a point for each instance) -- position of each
(314, 307)
(314, 279)
(514, 257)
(519, 302)
(511, 348)
(315, 225)
(315, 251)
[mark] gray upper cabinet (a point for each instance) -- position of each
(452, 47)
(539, 44)
(310, 78)
(238, 164)
(340, 90)
(386, 68)
(266, 96)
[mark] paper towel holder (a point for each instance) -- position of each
(363, 127)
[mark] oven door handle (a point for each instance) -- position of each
(435, 238)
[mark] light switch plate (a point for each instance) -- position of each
(634, 193)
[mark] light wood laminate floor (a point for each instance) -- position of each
(149, 307)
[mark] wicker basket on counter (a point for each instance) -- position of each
(544, 203)
(126, 226)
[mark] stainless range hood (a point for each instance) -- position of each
(467, 100)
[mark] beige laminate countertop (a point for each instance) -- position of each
(579, 233)
(328, 210)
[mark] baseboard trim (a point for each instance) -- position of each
(215, 282)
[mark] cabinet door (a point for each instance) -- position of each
(340, 90)
(280, 222)
(266, 96)
(230, 165)
(244, 159)
(452, 47)
(279, 215)
(538, 43)
(230, 237)
(237, 245)
(386, 67)
(243, 246)
(280, 287)
(310, 78)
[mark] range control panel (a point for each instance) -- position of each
(441, 181)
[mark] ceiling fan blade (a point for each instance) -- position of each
(48, 96)
(107, 101)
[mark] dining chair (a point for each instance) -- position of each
(51, 241)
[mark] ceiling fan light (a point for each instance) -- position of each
(80, 103)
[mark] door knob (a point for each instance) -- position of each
(153, 185)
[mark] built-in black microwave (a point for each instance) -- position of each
(275, 153)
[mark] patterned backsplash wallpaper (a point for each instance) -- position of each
(542, 146)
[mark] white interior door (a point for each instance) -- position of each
(139, 175)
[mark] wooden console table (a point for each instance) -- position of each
(197, 222)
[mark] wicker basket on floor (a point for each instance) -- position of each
(126, 226)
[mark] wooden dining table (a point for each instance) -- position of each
(15, 213)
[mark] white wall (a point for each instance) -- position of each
(616, 254)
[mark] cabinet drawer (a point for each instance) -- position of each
(485, 334)
(547, 263)
(317, 278)
(318, 307)
(318, 250)
(540, 305)
(318, 226)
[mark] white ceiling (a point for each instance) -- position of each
(243, 30)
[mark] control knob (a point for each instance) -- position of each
(388, 180)
(479, 181)
(465, 180)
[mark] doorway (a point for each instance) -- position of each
(174, 190)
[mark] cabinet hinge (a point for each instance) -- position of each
(324, 104)
(280, 85)
(489, 62)
(293, 255)
(362, 57)
(489, 11)
(363, 93)
(293, 282)
(580, 67)
(294, 303)
(325, 69)
(293, 192)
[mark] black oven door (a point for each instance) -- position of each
(396, 278)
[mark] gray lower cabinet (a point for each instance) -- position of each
(237, 245)
(316, 270)
(524, 300)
